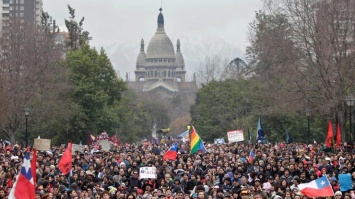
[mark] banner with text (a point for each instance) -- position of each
(235, 136)
(219, 141)
(148, 172)
(345, 182)
(78, 147)
(42, 144)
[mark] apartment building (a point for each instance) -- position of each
(24, 10)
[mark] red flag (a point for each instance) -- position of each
(9, 183)
(33, 164)
(66, 160)
(338, 138)
(24, 187)
(114, 139)
(330, 135)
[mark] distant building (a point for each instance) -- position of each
(161, 68)
(61, 37)
(160, 78)
(24, 10)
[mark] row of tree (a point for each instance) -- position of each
(301, 57)
(71, 88)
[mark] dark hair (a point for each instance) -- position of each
(128, 195)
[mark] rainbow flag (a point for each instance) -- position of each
(196, 143)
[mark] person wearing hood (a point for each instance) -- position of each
(227, 184)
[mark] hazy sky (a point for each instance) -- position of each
(205, 27)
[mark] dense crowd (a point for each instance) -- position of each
(222, 172)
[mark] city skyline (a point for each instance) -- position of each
(205, 28)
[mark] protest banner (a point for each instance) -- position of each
(105, 144)
(42, 144)
(78, 147)
(235, 136)
(148, 172)
(219, 141)
(345, 182)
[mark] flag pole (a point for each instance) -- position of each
(70, 174)
(189, 129)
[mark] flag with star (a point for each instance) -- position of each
(24, 186)
(317, 188)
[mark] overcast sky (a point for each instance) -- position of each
(205, 27)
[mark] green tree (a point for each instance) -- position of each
(97, 90)
(134, 121)
(77, 36)
(220, 105)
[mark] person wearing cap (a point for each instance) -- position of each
(338, 195)
(244, 194)
(257, 185)
(194, 195)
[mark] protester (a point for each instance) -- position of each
(223, 171)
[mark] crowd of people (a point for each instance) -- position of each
(223, 171)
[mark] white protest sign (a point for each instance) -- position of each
(235, 136)
(148, 172)
(42, 144)
(78, 147)
(105, 144)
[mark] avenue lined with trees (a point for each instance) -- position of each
(300, 58)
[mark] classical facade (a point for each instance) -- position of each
(160, 67)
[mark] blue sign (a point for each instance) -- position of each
(345, 182)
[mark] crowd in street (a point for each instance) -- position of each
(223, 171)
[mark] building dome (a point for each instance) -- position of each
(141, 57)
(160, 46)
(180, 63)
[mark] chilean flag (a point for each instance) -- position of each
(317, 188)
(251, 156)
(24, 187)
(171, 153)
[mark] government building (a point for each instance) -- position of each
(161, 67)
(160, 79)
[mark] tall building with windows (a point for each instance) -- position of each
(24, 10)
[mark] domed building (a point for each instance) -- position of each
(161, 67)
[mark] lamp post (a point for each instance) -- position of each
(308, 114)
(27, 113)
(350, 102)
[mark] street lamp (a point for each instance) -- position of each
(350, 102)
(27, 113)
(308, 114)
